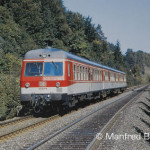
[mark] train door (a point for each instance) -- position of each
(90, 78)
(89, 86)
(103, 78)
(70, 76)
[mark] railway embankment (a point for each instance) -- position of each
(77, 129)
(132, 128)
(30, 137)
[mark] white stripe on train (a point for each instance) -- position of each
(72, 89)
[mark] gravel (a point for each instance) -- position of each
(134, 122)
(26, 139)
(25, 123)
(81, 134)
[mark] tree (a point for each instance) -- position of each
(100, 34)
(90, 30)
(118, 57)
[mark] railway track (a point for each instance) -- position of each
(11, 122)
(80, 133)
(16, 122)
(9, 134)
(99, 137)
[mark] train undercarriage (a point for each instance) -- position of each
(39, 103)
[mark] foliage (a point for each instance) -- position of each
(9, 85)
(31, 24)
(136, 62)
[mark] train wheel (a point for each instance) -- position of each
(63, 110)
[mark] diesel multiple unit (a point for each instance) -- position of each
(53, 77)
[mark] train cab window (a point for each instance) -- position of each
(78, 74)
(53, 69)
(74, 72)
(34, 69)
(68, 69)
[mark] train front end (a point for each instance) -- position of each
(43, 83)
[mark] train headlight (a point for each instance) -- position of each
(57, 84)
(27, 85)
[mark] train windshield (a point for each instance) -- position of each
(53, 69)
(34, 69)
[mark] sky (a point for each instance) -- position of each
(125, 20)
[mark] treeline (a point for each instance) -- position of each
(138, 66)
(32, 24)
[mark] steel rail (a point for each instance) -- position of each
(8, 135)
(112, 120)
(7, 123)
(75, 122)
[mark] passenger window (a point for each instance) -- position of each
(117, 77)
(68, 69)
(74, 72)
(97, 75)
(78, 74)
(86, 74)
(81, 73)
(106, 76)
(114, 77)
(100, 75)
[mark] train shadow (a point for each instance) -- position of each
(45, 114)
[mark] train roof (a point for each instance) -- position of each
(59, 53)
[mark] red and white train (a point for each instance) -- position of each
(53, 77)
